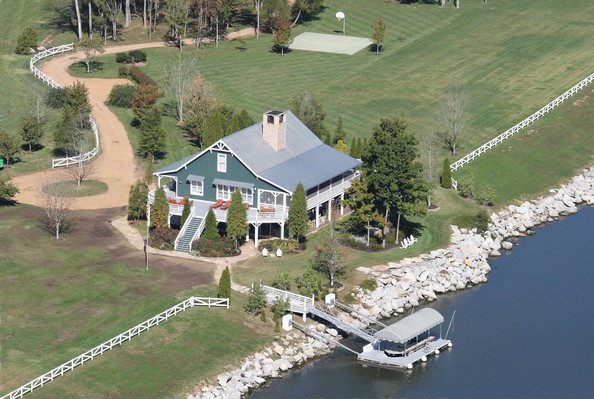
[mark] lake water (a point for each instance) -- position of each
(527, 333)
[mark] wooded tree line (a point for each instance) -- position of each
(183, 17)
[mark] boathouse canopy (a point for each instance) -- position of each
(411, 326)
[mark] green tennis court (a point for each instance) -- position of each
(339, 44)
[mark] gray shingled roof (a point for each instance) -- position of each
(304, 159)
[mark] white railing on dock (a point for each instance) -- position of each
(67, 161)
(299, 303)
(516, 128)
(104, 347)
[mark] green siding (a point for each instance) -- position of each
(206, 166)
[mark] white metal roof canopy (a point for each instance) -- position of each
(411, 326)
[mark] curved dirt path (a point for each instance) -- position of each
(116, 165)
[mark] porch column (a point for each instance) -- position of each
(168, 219)
(341, 205)
(256, 229)
(329, 209)
(317, 216)
(282, 233)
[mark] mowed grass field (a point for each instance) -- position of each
(59, 299)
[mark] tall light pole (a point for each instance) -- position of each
(341, 17)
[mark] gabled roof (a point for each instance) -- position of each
(304, 159)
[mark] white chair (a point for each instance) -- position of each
(265, 252)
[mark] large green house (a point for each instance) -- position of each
(265, 162)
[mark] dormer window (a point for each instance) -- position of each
(222, 163)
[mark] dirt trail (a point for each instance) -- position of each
(115, 165)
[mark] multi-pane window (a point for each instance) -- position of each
(222, 163)
(225, 192)
(197, 187)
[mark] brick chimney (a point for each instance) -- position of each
(274, 129)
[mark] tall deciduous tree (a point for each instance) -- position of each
(152, 135)
(160, 210)
(379, 30)
(258, 6)
(178, 12)
(298, 216)
(330, 256)
(283, 35)
(144, 98)
(90, 48)
(309, 110)
(31, 131)
(78, 145)
(237, 218)
(393, 172)
(453, 115)
(9, 146)
(178, 76)
(57, 203)
(201, 102)
(78, 20)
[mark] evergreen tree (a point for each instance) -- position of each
(31, 131)
(186, 211)
(256, 301)
(309, 283)
(152, 135)
(211, 232)
(213, 129)
(27, 40)
(225, 284)
(446, 175)
(245, 120)
(359, 148)
(353, 150)
(237, 218)
(160, 210)
(339, 133)
(234, 126)
(137, 200)
(393, 171)
(298, 216)
(7, 190)
(9, 146)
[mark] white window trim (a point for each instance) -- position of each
(222, 163)
(197, 188)
(225, 192)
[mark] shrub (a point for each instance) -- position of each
(141, 77)
(225, 284)
(287, 246)
(256, 301)
(121, 96)
(481, 221)
(263, 316)
(56, 98)
(26, 41)
(123, 58)
(282, 281)
(446, 175)
(484, 194)
(163, 238)
(368, 284)
(219, 247)
(280, 307)
(466, 186)
(143, 99)
(124, 71)
(137, 56)
(309, 283)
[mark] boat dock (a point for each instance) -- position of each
(399, 345)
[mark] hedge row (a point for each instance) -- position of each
(131, 57)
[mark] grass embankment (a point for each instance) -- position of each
(61, 298)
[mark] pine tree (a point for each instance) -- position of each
(446, 175)
(137, 200)
(31, 131)
(211, 232)
(186, 212)
(236, 218)
(245, 120)
(353, 150)
(359, 148)
(27, 40)
(225, 284)
(152, 135)
(298, 216)
(213, 129)
(339, 133)
(160, 210)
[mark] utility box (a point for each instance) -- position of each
(287, 322)
(1, 163)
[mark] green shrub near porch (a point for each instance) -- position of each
(220, 247)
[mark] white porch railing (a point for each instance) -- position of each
(255, 216)
(52, 83)
(516, 128)
(328, 193)
(104, 347)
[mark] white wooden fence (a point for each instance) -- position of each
(516, 128)
(52, 83)
(104, 347)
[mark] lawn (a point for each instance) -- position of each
(65, 297)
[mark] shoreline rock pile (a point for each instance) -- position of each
(291, 349)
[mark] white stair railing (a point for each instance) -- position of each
(184, 228)
(116, 341)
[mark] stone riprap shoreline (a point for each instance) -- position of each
(463, 264)
(405, 284)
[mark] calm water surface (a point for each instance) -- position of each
(527, 333)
